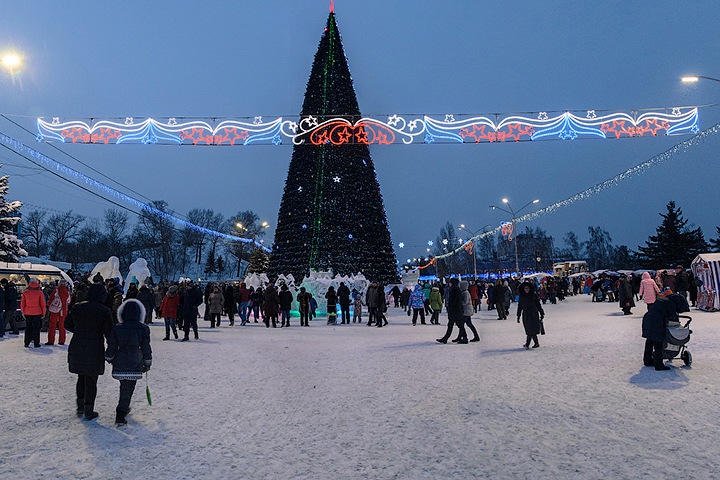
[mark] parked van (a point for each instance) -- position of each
(564, 269)
(21, 274)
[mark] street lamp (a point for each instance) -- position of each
(696, 78)
(514, 219)
(474, 234)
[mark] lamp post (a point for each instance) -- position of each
(514, 219)
(474, 234)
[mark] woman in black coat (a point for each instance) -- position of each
(625, 296)
(129, 353)
(655, 321)
(90, 322)
(532, 313)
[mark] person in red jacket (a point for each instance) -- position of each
(58, 306)
(32, 306)
(169, 310)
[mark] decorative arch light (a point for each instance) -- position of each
(385, 130)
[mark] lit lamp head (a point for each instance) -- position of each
(690, 79)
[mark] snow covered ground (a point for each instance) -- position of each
(357, 402)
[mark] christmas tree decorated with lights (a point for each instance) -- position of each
(332, 215)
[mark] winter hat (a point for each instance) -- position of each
(34, 283)
(97, 292)
(63, 283)
(454, 282)
(98, 278)
(173, 289)
(131, 310)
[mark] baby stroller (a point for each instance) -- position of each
(676, 338)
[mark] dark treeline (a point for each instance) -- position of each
(674, 242)
(169, 249)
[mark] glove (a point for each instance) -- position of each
(146, 368)
(518, 319)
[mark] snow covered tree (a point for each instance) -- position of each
(220, 266)
(11, 248)
(332, 216)
(674, 243)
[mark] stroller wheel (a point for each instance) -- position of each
(686, 357)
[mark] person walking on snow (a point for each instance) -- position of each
(129, 352)
(468, 310)
(532, 314)
(454, 309)
(417, 302)
(169, 310)
(90, 322)
(58, 307)
(32, 306)
(436, 305)
(648, 290)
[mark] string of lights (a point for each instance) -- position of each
(602, 186)
(23, 150)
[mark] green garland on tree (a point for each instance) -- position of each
(332, 215)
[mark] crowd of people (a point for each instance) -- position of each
(102, 310)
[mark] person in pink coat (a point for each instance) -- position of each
(648, 289)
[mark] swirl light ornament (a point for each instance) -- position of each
(392, 129)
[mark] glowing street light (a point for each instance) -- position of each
(696, 78)
(514, 219)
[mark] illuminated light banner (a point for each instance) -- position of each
(406, 129)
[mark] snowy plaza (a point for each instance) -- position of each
(356, 402)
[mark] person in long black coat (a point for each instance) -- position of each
(129, 352)
(90, 322)
(532, 313)
(343, 296)
(454, 309)
(625, 296)
(655, 321)
(190, 300)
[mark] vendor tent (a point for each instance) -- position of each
(706, 268)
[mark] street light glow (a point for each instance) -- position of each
(690, 79)
(265, 224)
(505, 200)
(536, 200)
(11, 61)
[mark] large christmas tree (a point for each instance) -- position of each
(332, 215)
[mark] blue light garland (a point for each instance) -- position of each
(21, 148)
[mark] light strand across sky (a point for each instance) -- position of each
(23, 149)
(597, 188)
(384, 130)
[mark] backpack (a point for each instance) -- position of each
(56, 304)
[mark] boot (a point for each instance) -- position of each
(185, 339)
(462, 341)
(175, 333)
(455, 340)
(441, 340)
(120, 418)
(167, 337)
(89, 412)
(476, 339)
(80, 406)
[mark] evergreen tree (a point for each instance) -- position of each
(259, 261)
(715, 242)
(220, 265)
(332, 216)
(11, 248)
(210, 263)
(674, 243)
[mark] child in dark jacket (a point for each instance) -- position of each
(129, 353)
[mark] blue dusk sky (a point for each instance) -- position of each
(100, 59)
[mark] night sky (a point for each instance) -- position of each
(87, 59)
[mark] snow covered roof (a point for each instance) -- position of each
(707, 257)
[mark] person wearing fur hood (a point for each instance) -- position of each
(129, 353)
(532, 313)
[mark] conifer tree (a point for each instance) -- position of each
(259, 261)
(11, 248)
(332, 216)
(210, 263)
(715, 242)
(674, 243)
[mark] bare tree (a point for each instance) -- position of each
(34, 233)
(155, 236)
(243, 224)
(62, 228)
